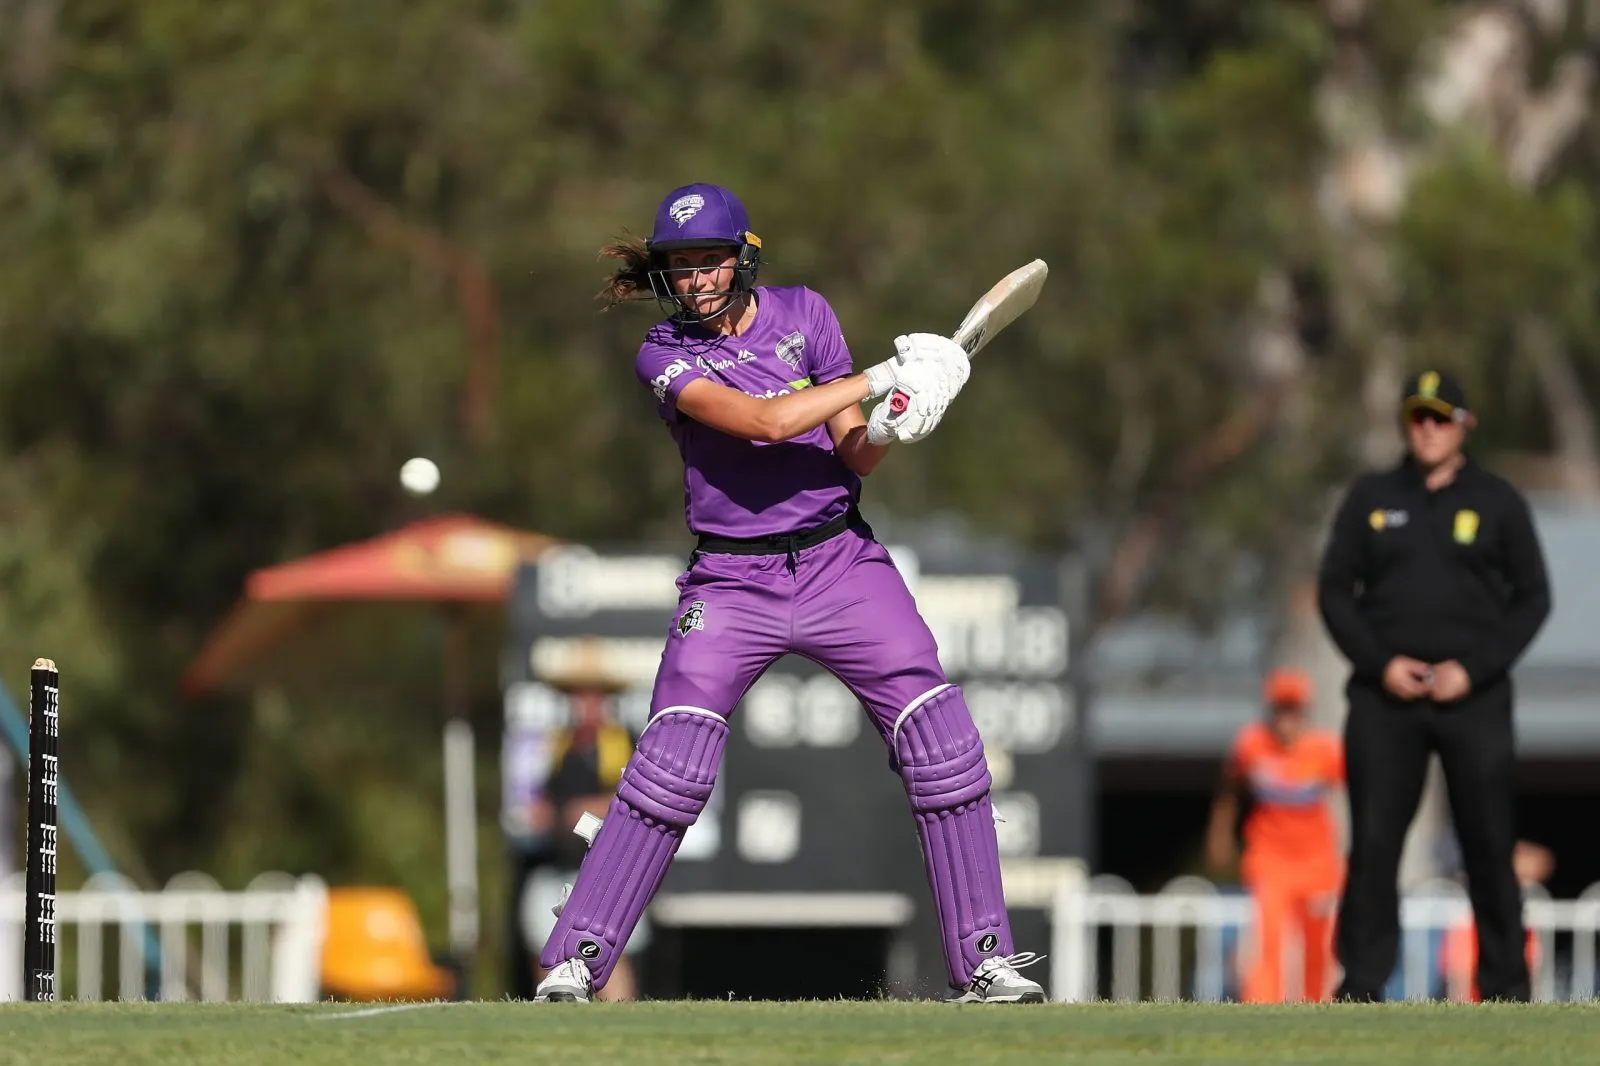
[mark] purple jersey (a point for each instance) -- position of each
(741, 488)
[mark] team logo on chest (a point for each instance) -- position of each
(792, 349)
(692, 619)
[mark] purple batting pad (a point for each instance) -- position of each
(663, 790)
(940, 756)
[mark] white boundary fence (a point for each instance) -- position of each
(190, 940)
(1108, 942)
(193, 940)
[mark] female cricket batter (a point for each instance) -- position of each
(755, 385)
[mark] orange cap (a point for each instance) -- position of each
(1286, 687)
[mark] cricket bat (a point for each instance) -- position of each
(996, 309)
(1000, 306)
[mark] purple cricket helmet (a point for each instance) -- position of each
(702, 216)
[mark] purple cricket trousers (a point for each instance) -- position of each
(842, 604)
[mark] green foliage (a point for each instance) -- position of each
(1477, 256)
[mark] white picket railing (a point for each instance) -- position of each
(191, 939)
(1174, 944)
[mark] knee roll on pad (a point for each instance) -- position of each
(940, 754)
(663, 790)
(672, 771)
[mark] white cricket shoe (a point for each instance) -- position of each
(568, 983)
(996, 980)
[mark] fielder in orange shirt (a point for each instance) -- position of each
(1291, 863)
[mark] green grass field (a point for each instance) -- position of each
(487, 1034)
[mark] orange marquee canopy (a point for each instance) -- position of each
(450, 559)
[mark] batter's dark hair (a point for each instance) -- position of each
(631, 279)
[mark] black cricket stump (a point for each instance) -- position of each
(44, 731)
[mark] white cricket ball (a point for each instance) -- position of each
(419, 476)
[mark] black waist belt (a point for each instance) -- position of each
(784, 543)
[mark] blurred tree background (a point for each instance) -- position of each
(253, 257)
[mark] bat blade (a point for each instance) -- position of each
(1000, 306)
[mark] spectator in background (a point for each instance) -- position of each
(1291, 864)
(586, 764)
(526, 820)
(1533, 864)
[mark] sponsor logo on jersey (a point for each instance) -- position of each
(672, 370)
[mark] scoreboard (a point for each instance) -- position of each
(806, 801)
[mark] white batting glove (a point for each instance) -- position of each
(908, 421)
(880, 425)
(922, 361)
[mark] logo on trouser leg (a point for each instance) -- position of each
(987, 943)
(588, 950)
(692, 619)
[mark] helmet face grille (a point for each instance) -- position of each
(746, 266)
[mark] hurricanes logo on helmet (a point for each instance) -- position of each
(686, 207)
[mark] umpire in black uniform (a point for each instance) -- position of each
(1432, 585)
